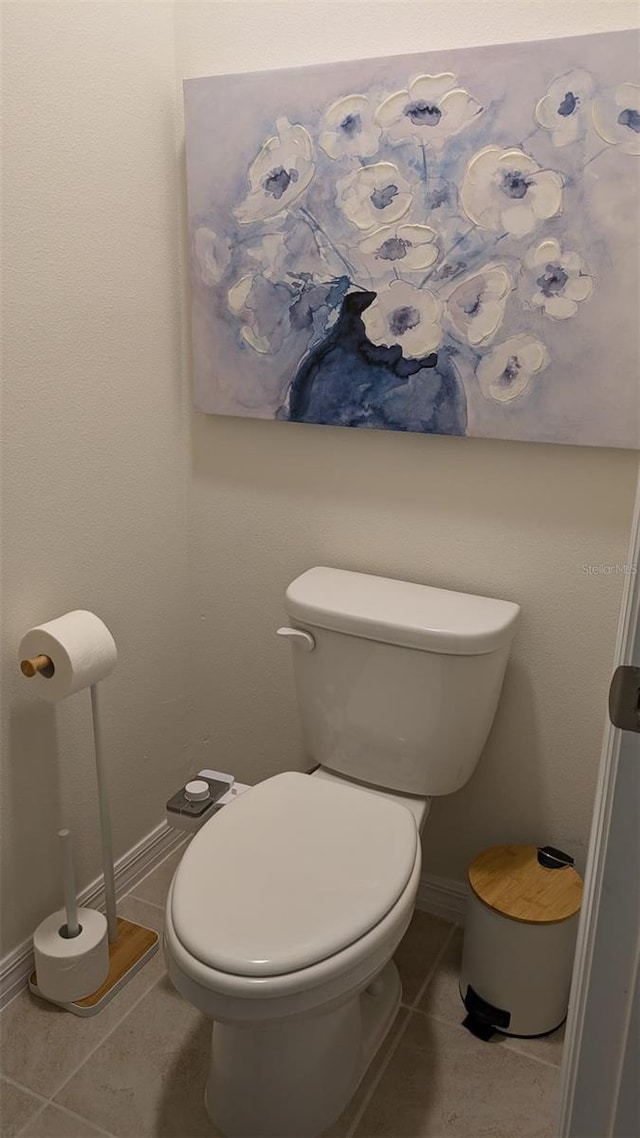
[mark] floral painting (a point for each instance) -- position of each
(444, 243)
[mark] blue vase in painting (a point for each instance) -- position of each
(346, 381)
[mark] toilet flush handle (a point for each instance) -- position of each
(304, 640)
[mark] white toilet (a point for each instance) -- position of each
(288, 905)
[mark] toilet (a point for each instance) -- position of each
(287, 906)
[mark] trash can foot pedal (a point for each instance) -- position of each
(479, 1028)
(483, 1019)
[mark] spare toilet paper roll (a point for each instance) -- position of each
(81, 648)
(70, 968)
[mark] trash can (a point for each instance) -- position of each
(519, 940)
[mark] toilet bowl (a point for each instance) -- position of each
(281, 952)
(288, 905)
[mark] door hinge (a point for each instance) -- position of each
(624, 698)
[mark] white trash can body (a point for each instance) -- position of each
(516, 971)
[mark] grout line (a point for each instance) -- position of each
(23, 1087)
(435, 965)
(71, 1113)
(154, 905)
(41, 1109)
(394, 1046)
(507, 1046)
(176, 849)
(135, 896)
(357, 1118)
(40, 1099)
(101, 1041)
(527, 1055)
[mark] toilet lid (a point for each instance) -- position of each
(289, 874)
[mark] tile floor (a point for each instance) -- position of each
(138, 1068)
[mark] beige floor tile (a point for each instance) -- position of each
(442, 999)
(41, 1045)
(155, 886)
(142, 912)
(16, 1108)
(342, 1128)
(148, 1077)
(548, 1048)
(417, 951)
(57, 1123)
(443, 1083)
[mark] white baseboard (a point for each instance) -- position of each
(442, 897)
(129, 870)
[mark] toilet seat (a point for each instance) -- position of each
(291, 874)
(229, 998)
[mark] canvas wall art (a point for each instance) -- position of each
(443, 242)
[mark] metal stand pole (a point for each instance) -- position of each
(69, 884)
(105, 822)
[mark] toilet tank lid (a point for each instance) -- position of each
(401, 612)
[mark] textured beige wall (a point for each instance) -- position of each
(94, 486)
(513, 520)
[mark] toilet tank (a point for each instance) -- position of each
(397, 683)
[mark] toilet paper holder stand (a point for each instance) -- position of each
(43, 665)
(130, 944)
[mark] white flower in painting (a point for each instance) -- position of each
(507, 189)
(404, 315)
(212, 255)
(264, 309)
(271, 256)
(476, 306)
(432, 109)
(348, 128)
(300, 250)
(617, 118)
(279, 175)
(374, 195)
(507, 370)
(238, 294)
(564, 109)
(237, 298)
(554, 281)
(404, 248)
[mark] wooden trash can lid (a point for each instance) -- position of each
(512, 882)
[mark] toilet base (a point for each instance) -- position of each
(293, 1078)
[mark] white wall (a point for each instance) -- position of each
(513, 520)
(96, 459)
(94, 466)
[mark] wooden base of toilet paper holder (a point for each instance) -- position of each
(134, 946)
